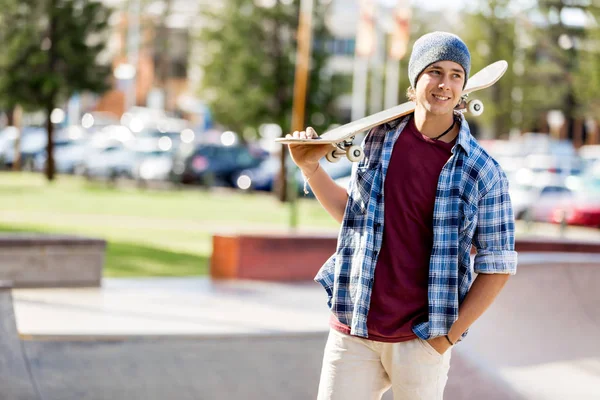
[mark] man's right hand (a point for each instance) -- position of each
(307, 156)
(332, 196)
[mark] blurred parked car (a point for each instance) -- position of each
(154, 165)
(114, 161)
(214, 165)
(543, 143)
(111, 134)
(564, 165)
(33, 144)
(8, 136)
(590, 154)
(164, 139)
(263, 176)
(8, 142)
(543, 209)
(538, 200)
(583, 208)
(95, 121)
(507, 153)
(66, 157)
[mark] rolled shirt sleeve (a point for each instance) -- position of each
(494, 236)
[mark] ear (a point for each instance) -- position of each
(411, 94)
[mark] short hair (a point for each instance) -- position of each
(411, 94)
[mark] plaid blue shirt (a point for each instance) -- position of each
(472, 206)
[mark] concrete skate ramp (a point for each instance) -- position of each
(537, 341)
(540, 338)
(284, 367)
(16, 381)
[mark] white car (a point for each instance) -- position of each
(537, 202)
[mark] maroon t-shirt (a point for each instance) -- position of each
(399, 297)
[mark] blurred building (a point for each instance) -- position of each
(157, 38)
(343, 22)
(160, 35)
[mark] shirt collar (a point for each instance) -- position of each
(464, 139)
(393, 124)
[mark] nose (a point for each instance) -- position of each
(443, 82)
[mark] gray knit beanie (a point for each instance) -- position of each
(434, 47)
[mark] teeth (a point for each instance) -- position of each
(441, 97)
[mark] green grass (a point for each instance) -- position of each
(149, 232)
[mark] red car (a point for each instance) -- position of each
(581, 210)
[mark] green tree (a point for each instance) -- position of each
(552, 62)
(52, 53)
(488, 30)
(248, 65)
(17, 29)
(559, 56)
(490, 34)
(586, 79)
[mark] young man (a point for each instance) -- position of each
(401, 287)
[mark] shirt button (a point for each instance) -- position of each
(377, 225)
(379, 197)
(375, 253)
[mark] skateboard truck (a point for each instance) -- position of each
(346, 148)
(355, 153)
(474, 107)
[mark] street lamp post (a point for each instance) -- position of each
(365, 42)
(133, 42)
(300, 84)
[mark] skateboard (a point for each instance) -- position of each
(342, 137)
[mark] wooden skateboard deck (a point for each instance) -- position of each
(481, 80)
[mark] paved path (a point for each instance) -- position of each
(173, 306)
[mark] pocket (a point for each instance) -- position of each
(361, 190)
(325, 276)
(429, 349)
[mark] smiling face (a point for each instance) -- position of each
(439, 87)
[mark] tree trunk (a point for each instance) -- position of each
(10, 117)
(16, 114)
(50, 146)
(281, 187)
(499, 119)
(51, 99)
(496, 94)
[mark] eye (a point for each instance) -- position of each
(435, 71)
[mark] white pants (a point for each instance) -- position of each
(362, 369)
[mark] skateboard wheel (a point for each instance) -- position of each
(475, 107)
(355, 153)
(333, 156)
